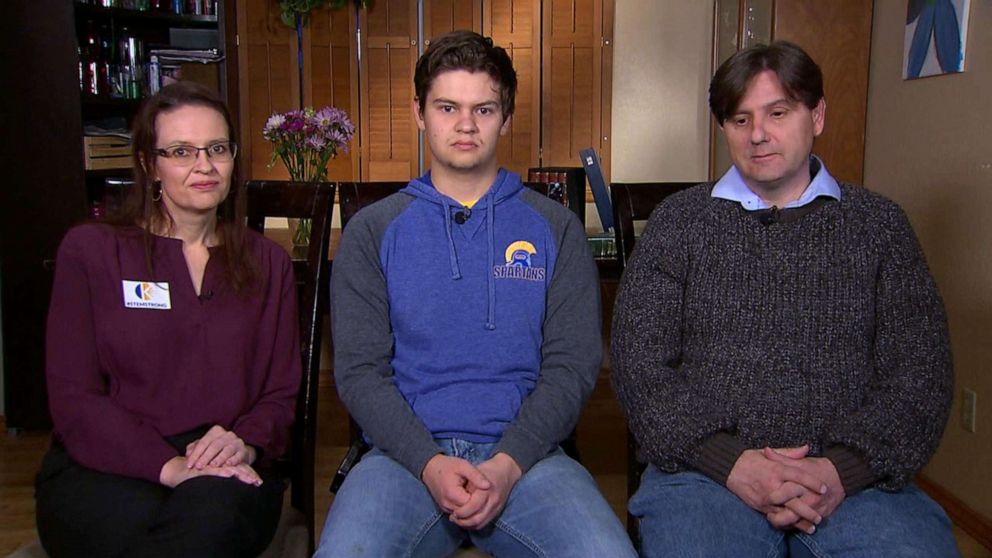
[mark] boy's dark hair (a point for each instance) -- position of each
(467, 50)
(800, 76)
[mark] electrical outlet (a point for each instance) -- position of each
(969, 403)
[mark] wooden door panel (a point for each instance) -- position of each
(568, 112)
(517, 19)
(332, 77)
(444, 16)
(389, 135)
(571, 59)
(843, 56)
(518, 147)
(577, 36)
(391, 18)
(389, 104)
(570, 17)
(515, 26)
(268, 82)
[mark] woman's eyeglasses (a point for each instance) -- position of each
(220, 152)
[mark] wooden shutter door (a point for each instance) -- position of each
(268, 81)
(515, 26)
(388, 55)
(842, 55)
(574, 90)
(443, 16)
(331, 70)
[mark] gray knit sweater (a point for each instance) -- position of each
(823, 329)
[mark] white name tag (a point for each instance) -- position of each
(142, 294)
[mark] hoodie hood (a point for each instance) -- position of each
(506, 185)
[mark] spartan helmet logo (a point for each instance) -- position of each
(518, 254)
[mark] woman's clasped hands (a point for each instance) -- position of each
(219, 453)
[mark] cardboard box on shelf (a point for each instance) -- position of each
(106, 152)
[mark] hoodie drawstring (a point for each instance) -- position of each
(490, 224)
(456, 272)
(506, 185)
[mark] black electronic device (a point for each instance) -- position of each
(600, 193)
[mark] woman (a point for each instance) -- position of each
(172, 357)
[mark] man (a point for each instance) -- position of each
(465, 313)
(780, 348)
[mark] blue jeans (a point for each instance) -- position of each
(688, 514)
(554, 510)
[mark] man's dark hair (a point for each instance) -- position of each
(800, 76)
(467, 50)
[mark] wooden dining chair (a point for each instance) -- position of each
(634, 201)
(353, 196)
(314, 201)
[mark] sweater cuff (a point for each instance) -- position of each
(853, 470)
(416, 458)
(259, 441)
(152, 461)
(523, 451)
(717, 456)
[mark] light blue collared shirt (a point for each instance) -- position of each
(732, 187)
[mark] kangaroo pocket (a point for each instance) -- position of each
(475, 411)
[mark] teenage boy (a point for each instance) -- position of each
(466, 337)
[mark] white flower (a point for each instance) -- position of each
(274, 122)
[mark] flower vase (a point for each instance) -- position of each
(305, 141)
(301, 232)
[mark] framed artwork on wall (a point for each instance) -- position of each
(935, 39)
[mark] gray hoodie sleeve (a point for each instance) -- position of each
(363, 342)
(571, 353)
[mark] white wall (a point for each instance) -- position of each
(928, 148)
(661, 71)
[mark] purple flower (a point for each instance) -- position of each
(317, 143)
(272, 126)
(306, 139)
(324, 117)
(294, 125)
(339, 139)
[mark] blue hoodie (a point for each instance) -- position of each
(480, 324)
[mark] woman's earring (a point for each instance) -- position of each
(157, 191)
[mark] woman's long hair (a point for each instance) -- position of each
(141, 207)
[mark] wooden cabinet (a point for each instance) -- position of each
(121, 61)
(562, 51)
(44, 110)
(843, 57)
(43, 192)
